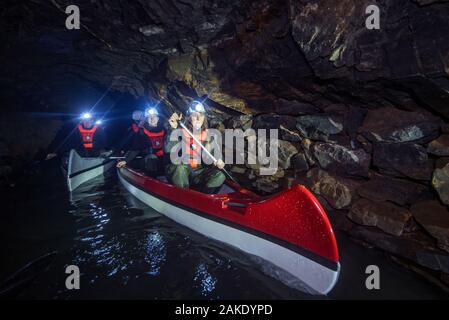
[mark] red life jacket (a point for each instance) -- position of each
(87, 136)
(192, 148)
(157, 141)
(135, 127)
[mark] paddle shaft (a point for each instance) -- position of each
(119, 158)
(197, 141)
(205, 150)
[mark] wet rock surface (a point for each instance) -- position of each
(403, 159)
(341, 159)
(339, 192)
(399, 191)
(440, 182)
(386, 216)
(318, 127)
(440, 146)
(394, 125)
(434, 217)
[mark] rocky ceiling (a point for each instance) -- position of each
(251, 56)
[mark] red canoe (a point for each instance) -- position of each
(290, 229)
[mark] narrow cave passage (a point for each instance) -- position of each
(359, 144)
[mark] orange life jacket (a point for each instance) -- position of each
(87, 135)
(192, 148)
(156, 140)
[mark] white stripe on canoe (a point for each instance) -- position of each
(318, 278)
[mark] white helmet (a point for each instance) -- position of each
(137, 115)
(196, 106)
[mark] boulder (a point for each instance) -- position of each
(403, 159)
(401, 192)
(241, 122)
(290, 135)
(434, 217)
(266, 185)
(285, 152)
(440, 146)
(386, 216)
(341, 159)
(299, 162)
(351, 117)
(394, 125)
(318, 127)
(307, 147)
(440, 182)
(338, 191)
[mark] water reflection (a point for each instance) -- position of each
(98, 245)
(205, 281)
(156, 253)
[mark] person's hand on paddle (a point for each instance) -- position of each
(173, 120)
(121, 164)
(51, 156)
(219, 164)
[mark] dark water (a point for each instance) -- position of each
(126, 250)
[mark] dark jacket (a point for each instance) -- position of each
(140, 144)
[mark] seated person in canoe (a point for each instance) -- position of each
(147, 145)
(191, 173)
(87, 138)
(133, 131)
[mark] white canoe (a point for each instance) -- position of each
(81, 170)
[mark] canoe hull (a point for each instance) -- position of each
(299, 270)
(81, 170)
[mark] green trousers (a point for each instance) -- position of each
(206, 179)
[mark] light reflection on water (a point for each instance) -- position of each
(204, 280)
(156, 253)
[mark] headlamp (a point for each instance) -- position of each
(86, 116)
(151, 112)
(197, 107)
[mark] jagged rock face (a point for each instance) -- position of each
(384, 215)
(267, 56)
(362, 114)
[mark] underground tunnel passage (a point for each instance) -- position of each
(342, 166)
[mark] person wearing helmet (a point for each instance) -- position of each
(138, 117)
(191, 172)
(148, 144)
(87, 138)
(133, 133)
